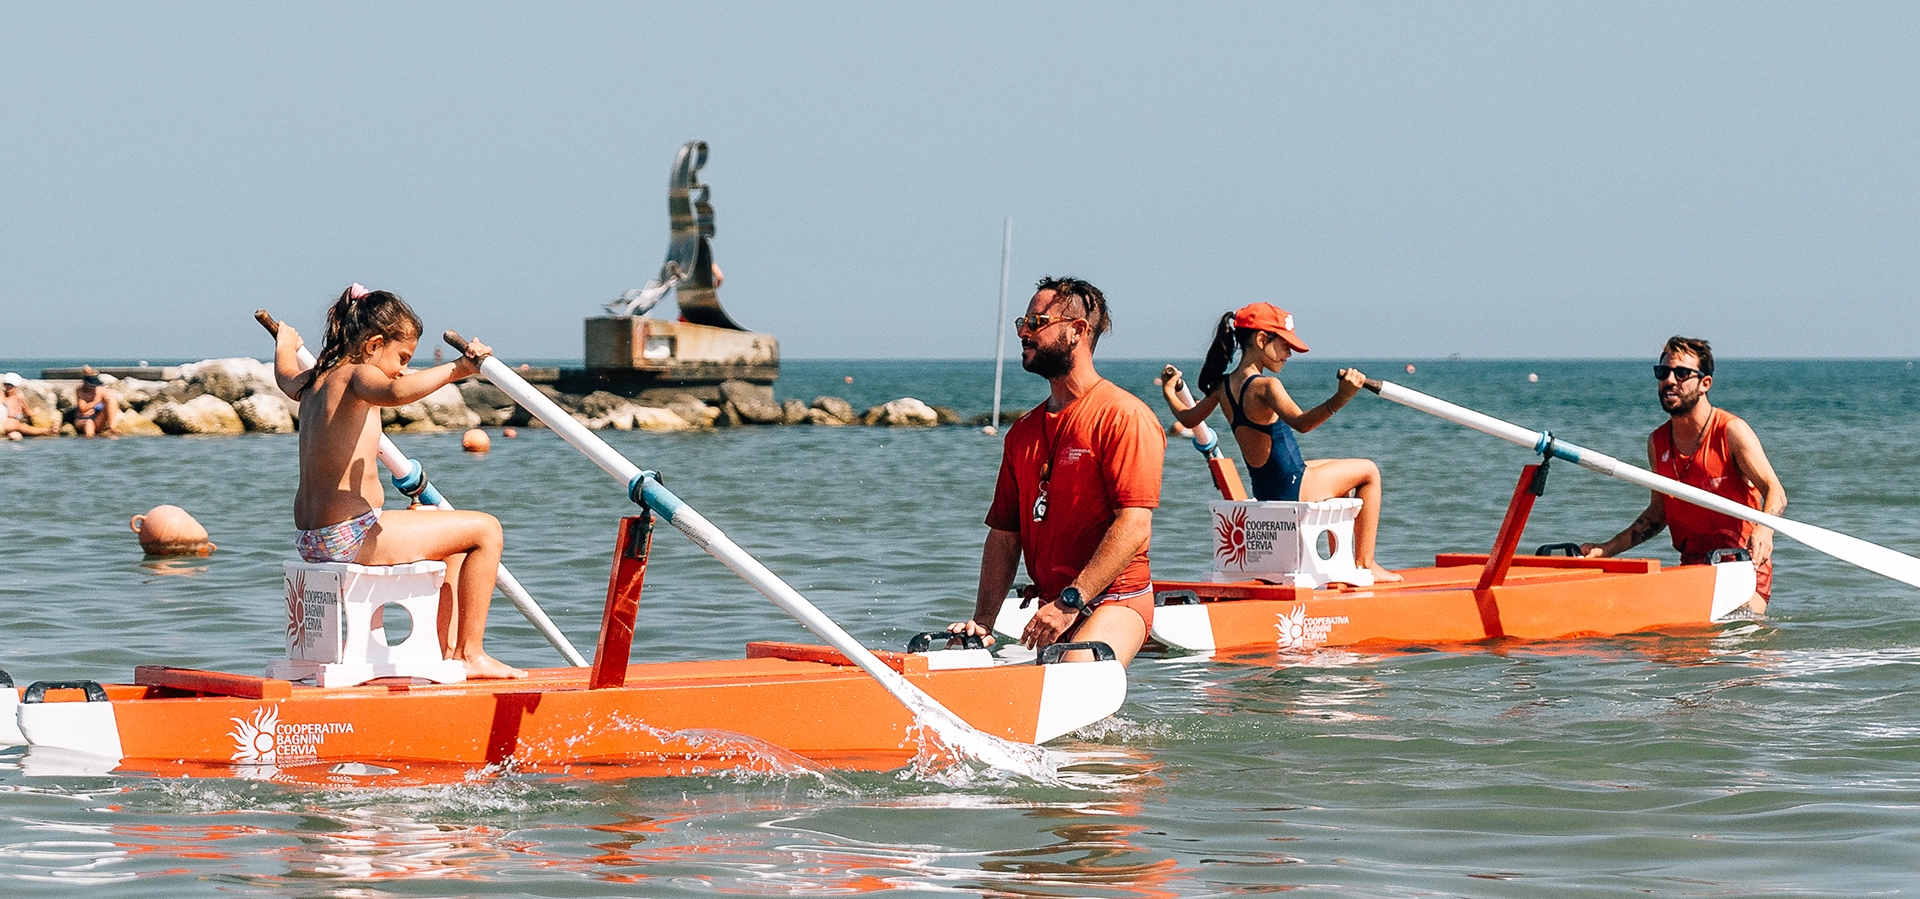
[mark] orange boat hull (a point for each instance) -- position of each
(1541, 598)
(783, 704)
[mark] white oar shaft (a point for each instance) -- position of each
(648, 490)
(400, 466)
(1871, 556)
(1204, 439)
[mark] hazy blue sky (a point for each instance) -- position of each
(1411, 180)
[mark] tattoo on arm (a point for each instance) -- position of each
(1641, 529)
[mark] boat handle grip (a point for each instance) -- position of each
(1729, 554)
(923, 641)
(1052, 653)
(38, 691)
(6, 680)
(1554, 549)
(1176, 598)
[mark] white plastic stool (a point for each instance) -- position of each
(330, 632)
(1279, 542)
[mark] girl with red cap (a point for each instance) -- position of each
(1264, 418)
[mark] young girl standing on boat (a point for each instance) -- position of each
(1264, 417)
(371, 336)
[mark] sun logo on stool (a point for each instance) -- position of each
(296, 609)
(253, 740)
(1231, 529)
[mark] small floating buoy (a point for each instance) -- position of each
(1533, 378)
(509, 433)
(476, 441)
(989, 430)
(1409, 368)
(170, 531)
(849, 379)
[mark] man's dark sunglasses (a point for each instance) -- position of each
(1680, 373)
(1039, 320)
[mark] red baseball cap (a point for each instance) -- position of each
(1272, 319)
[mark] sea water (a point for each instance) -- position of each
(1777, 757)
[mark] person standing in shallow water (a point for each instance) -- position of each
(1264, 417)
(1079, 480)
(1711, 449)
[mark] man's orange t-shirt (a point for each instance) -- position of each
(1106, 449)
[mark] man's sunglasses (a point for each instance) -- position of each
(1680, 373)
(1039, 320)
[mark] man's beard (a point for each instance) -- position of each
(1049, 362)
(1683, 403)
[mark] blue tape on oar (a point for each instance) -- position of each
(646, 490)
(1561, 449)
(1206, 449)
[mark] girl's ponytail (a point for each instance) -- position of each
(360, 314)
(1219, 354)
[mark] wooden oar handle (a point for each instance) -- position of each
(266, 321)
(1372, 384)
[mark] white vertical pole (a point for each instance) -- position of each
(1000, 330)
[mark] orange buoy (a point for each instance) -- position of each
(475, 441)
(509, 433)
(170, 531)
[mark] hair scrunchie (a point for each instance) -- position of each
(356, 292)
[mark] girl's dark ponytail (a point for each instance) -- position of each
(1219, 354)
(358, 315)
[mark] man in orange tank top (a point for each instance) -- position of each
(1079, 480)
(1711, 449)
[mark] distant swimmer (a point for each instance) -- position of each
(371, 336)
(1264, 418)
(1079, 480)
(1711, 449)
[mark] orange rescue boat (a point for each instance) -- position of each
(783, 703)
(1460, 598)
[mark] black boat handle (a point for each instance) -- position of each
(1553, 549)
(38, 691)
(923, 641)
(1052, 652)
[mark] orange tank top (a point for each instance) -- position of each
(1697, 531)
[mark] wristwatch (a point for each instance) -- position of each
(1070, 598)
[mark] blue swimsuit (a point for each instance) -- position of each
(1279, 479)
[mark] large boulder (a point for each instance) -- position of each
(264, 414)
(411, 418)
(945, 415)
(693, 411)
(204, 414)
(836, 407)
(654, 418)
(138, 394)
(448, 409)
(753, 402)
(905, 412)
(793, 412)
(823, 417)
(133, 424)
(232, 379)
(492, 404)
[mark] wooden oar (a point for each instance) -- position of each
(1871, 556)
(644, 487)
(410, 479)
